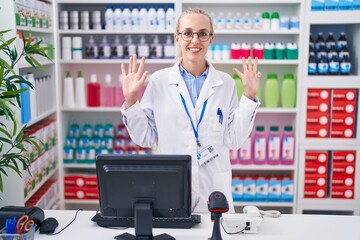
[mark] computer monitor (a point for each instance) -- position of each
(144, 186)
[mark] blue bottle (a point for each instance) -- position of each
(25, 104)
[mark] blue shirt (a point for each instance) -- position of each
(193, 84)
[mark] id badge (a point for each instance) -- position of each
(207, 154)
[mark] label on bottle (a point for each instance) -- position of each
(259, 149)
(323, 68)
(90, 154)
(80, 154)
(68, 153)
(245, 151)
(333, 67)
(274, 148)
(345, 67)
(312, 68)
(288, 148)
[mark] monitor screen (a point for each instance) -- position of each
(164, 181)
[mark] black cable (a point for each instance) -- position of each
(67, 225)
(241, 231)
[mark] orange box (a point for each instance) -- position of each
(340, 131)
(318, 118)
(315, 192)
(343, 169)
(314, 168)
(317, 131)
(74, 193)
(318, 93)
(343, 107)
(75, 180)
(320, 157)
(343, 157)
(343, 119)
(342, 181)
(342, 192)
(348, 95)
(319, 180)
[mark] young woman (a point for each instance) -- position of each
(192, 108)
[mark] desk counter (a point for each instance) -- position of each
(289, 227)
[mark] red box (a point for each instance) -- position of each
(317, 180)
(315, 192)
(343, 119)
(320, 157)
(343, 169)
(343, 107)
(317, 118)
(348, 95)
(317, 131)
(74, 193)
(318, 105)
(92, 193)
(75, 180)
(344, 157)
(320, 93)
(342, 192)
(91, 181)
(342, 181)
(342, 131)
(314, 168)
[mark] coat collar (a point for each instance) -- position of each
(213, 80)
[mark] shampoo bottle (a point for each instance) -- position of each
(108, 92)
(143, 48)
(169, 48)
(156, 48)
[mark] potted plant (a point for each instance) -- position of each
(13, 153)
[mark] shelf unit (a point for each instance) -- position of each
(334, 21)
(13, 184)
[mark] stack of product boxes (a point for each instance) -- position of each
(47, 197)
(262, 189)
(329, 174)
(331, 113)
(81, 187)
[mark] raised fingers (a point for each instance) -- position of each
(130, 64)
(134, 64)
(141, 67)
(123, 72)
(245, 69)
(255, 65)
(250, 64)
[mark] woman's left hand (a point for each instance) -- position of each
(250, 77)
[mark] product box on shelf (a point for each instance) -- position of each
(249, 185)
(343, 169)
(318, 118)
(274, 189)
(317, 5)
(287, 190)
(343, 157)
(319, 93)
(319, 157)
(318, 105)
(331, 5)
(342, 192)
(343, 107)
(237, 188)
(318, 180)
(348, 95)
(339, 131)
(314, 168)
(262, 189)
(342, 181)
(317, 131)
(315, 192)
(343, 119)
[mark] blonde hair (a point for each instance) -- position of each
(187, 12)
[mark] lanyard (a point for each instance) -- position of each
(192, 124)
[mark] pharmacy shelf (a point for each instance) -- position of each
(113, 2)
(341, 81)
(79, 166)
(41, 117)
(116, 32)
(39, 185)
(116, 61)
(329, 204)
(242, 2)
(277, 110)
(239, 167)
(264, 204)
(260, 62)
(42, 62)
(73, 201)
(34, 30)
(257, 32)
(334, 17)
(330, 144)
(92, 109)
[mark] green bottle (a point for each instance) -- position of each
(239, 85)
(271, 91)
(288, 91)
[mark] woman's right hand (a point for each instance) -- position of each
(133, 80)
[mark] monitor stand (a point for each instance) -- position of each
(143, 225)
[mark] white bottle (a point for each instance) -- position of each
(170, 18)
(257, 21)
(230, 21)
(156, 48)
(126, 17)
(160, 16)
(129, 47)
(118, 18)
(33, 110)
(80, 100)
(169, 48)
(109, 18)
(220, 23)
(217, 52)
(247, 21)
(152, 18)
(68, 93)
(143, 18)
(104, 48)
(239, 24)
(213, 19)
(117, 49)
(135, 18)
(143, 48)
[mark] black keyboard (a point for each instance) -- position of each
(178, 222)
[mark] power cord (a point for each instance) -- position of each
(232, 233)
(68, 224)
(270, 213)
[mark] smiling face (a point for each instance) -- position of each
(194, 50)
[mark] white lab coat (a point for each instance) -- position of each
(161, 122)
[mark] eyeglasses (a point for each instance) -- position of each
(187, 35)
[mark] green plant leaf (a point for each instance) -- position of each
(28, 59)
(14, 92)
(35, 143)
(14, 128)
(4, 31)
(1, 184)
(39, 65)
(4, 131)
(7, 43)
(20, 135)
(8, 67)
(2, 73)
(5, 140)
